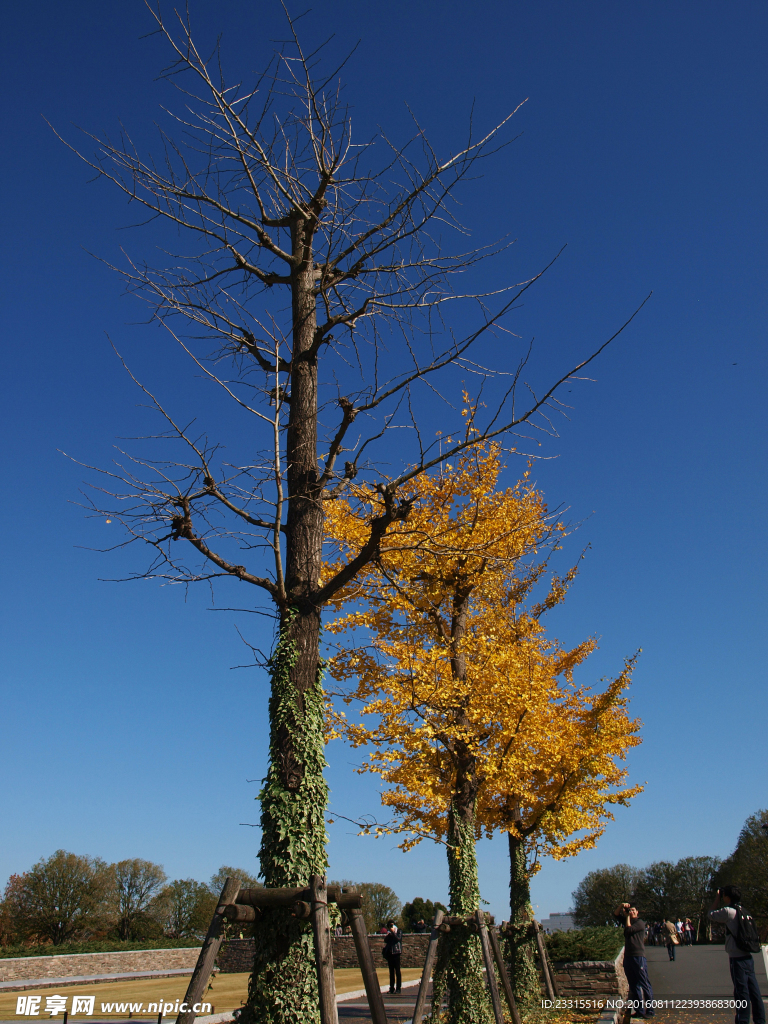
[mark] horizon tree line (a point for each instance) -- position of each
(68, 898)
(683, 889)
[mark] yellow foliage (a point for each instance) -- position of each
(444, 650)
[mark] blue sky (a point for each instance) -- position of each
(643, 147)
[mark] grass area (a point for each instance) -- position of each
(226, 992)
(98, 946)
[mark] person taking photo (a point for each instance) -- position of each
(740, 941)
(393, 948)
(635, 963)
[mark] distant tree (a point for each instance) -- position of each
(659, 892)
(247, 880)
(136, 883)
(9, 926)
(186, 908)
(747, 867)
(599, 893)
(380, 903)
(696, 886)
(58, 897)
(420, 910)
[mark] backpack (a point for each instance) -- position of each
(746, 936)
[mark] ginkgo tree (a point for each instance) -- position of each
(478, 724)
(564, 804)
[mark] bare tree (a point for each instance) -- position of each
(136, 884)
(313, 287)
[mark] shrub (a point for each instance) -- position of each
(96, 946)
(597, 943)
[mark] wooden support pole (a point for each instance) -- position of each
(233, 912)
(365, 959)
(505, 982)
(544, 961)
(555, 992)
(205, 961)
(321, 929)
(264, 897)
(426, 974)
(493, 988)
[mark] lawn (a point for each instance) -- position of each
(226, 992)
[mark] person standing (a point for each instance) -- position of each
(671, 938)
(635, 963)
(393, 949)
(745, 987)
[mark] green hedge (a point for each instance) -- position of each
(98, 946)
(585, 944)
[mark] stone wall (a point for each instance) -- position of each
(237, 955)
(588, 979)
(584, 979)
(84, 964)
(414, 950)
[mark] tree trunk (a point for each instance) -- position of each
(521, 942)
(459, 971)
(283, 986)
(460, 962)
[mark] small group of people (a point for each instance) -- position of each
(670, 934)
(726, 910)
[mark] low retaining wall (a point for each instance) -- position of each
(583, 979)
(83, 964)
(586, 979)
(236, 955)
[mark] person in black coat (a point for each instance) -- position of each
(393, 949)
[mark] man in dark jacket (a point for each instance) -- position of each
(635, 964)
(393, 948)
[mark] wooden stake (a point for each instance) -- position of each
(544, 962)
(365, 959)
(321, 929)
(205, 961)
(498, 1013)
(427, 972)
(550, 968)
(505, 982)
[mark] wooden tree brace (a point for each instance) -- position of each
(205, 961)
(505, 982)
(548, 980)
(426, 974)
(233, 912)
(367, 967)
(490, 974)
(468, 922)
(321, 930)
(288, 898)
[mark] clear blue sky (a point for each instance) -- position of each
(124, 731)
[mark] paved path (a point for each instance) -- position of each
(399, 1008)
(698, 972)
